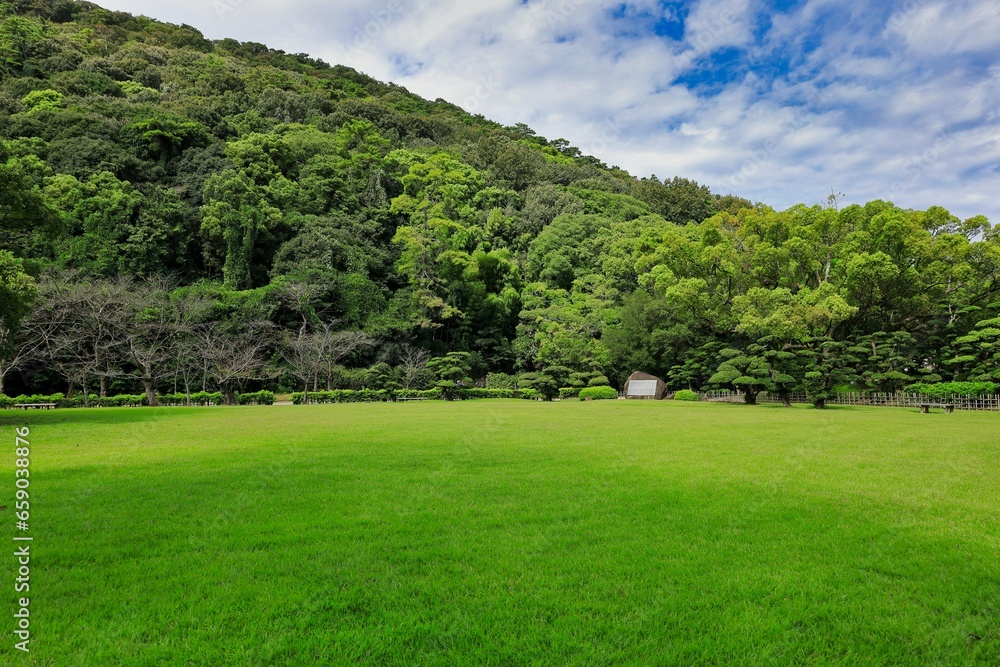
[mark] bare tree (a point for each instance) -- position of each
(101, 327)
(149, 339)
(189, 363)
(234, 353)
(302, 299)
(78, 329)
(335, 346)
(303, 354)
(17, 349)
(413, 361)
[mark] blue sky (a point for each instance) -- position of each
(781, 101)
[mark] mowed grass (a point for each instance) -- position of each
(509, 533)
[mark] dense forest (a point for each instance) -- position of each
(183, 214)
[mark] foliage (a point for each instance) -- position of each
(262, 397)
(685, 395)
(303, 226)
(598, 393)
(342, 396)
(948, 390)
(418, 393)
(201, 398)
(466, 394)
(501, 381)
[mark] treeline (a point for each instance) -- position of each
(181, 214)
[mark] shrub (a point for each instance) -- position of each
(599, 381)
(136, 400)
(545, 384)
(530, 394)
(342, 396)
(207, 398)
(179, 398)
(685, 395)
(946, 390)
(432, 394)
(501, 381)
(263, 397)
(567, 393)
(598, 393)
(121, 401)
(466, 394)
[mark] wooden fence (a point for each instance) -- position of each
(894, 400)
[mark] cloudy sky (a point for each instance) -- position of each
(781, 101)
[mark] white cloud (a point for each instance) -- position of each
(946, 28)
(846, 97)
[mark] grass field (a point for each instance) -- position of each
(509, 533)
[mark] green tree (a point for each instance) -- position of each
(829, 364)
(17, 291)
(237, 214)
(745, 371)
(452, 372)
(979, 351)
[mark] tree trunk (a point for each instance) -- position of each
(785, 399)
(305, 394)
(750, 398)
(3, 375)
(819, 403)
(104, 387)
(229, 395)
(70, 390)
(150, 393)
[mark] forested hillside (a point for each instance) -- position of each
(182, 214)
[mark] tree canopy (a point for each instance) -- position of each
(256, 192)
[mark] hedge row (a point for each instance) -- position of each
(201, 398)
(527, 394)
(342, 396)
(945, 390)
(598, 394)
(418, 393)
(198, 398)
(263, 397)
(95, 401)
(382, 395)
(501, 381)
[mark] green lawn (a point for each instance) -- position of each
(509, 533)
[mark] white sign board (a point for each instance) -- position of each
(642, 388)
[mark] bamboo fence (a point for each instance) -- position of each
(881, 399)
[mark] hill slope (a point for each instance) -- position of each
(307, 196)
